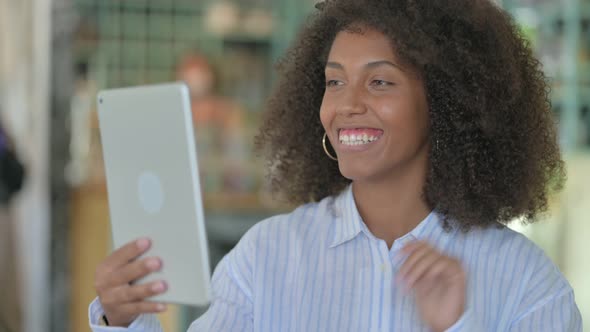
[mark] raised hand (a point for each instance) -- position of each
(438, 282)
(121, 300)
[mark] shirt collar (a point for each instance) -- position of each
(348, 223)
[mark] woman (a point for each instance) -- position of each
(437, 132)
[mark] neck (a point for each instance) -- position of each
(394, 207)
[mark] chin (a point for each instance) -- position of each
(355, 171)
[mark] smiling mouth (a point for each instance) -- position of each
(359, 136)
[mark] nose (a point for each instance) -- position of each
(351, 103)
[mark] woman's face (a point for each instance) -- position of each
(374, 111)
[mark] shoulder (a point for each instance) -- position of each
(507, 246)
(512, 264)
(315, 217)
(295, 226)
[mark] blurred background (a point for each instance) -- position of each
(56, 54)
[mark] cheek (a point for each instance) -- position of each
(326, 115)
(405, 120)
(389, 113)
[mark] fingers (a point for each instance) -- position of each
(117, 270)
(418, 264)
(417, 251)
(126, 253)
(144, 307)
(135, 293)
(122, 301)
(425, 265)
(127, 274)
(134, 271)
(123, 304)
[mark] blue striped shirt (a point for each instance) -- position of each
(319, 268)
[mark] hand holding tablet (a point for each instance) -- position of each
(121, 300)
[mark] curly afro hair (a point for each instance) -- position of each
(494, 154)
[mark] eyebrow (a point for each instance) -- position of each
(336, 65)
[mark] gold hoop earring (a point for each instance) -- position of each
(326, 149)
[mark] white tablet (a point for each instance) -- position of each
(153, 184)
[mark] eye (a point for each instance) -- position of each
(381, 83)
(333, 83)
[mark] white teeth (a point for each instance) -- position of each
(354, 140)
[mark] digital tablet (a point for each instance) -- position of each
(153, 184)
